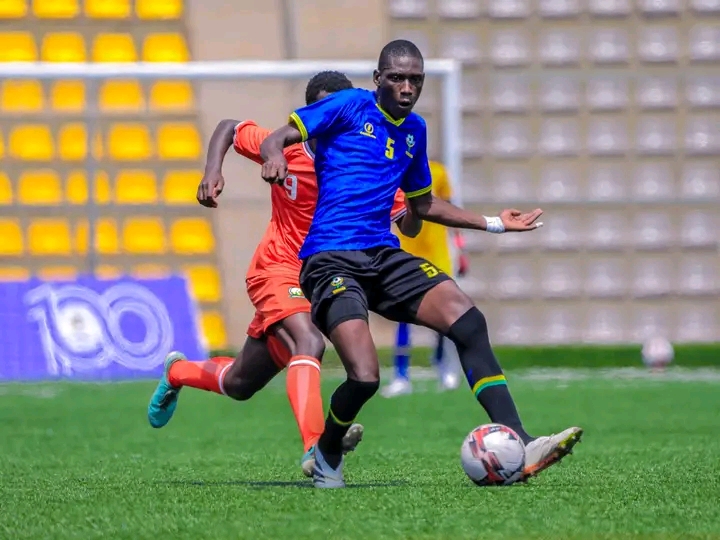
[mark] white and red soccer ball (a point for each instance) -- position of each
(493, 455)
(657, 353)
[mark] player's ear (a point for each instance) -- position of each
(376, 78)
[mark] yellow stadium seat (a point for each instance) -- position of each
(17, 47)
(180, 187)
(31, 142)
(204, 282)
(49, 236)
(165, 47)
(13, 9)
(72, 142)
(68, 96)
(179, 140)
(56, 9)
(159, 9)
(6, 191)
(41, 187)
(76, 188)
(192, 236)
(14, 273)
(63, 47)
(129, 142)
(108, 271)
(22, 96)
(150, 271)
(121, 96)
(171, 96)
(107, 9)
(12, 238)
(58, 273)
(106, 237)
(213, 329)
(136, 187)
(144, 235)
(114, 48)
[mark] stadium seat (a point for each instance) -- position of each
(121, 96)
(144, 235)
(31, 142)
(204, 282)
(63, 47)
(41, 187)
(58, 273)
(72, 143)
(150, 271)
(213, 329)
(509, 48)
(2, 146)
(136, 187)
(180, 187)
(165, 47)
(22, 96)
(107, 9)
(558, 93)
(159, 9)
(49, 236)
(68, 96)
(17, 47)
(108, 271)
(171, 96)
(114, 48)
(106, 237)
(56, 9)
(192, 236)
(128, 142)
(14, 273)
(13, 9)
(12, 237)
(179, 140)
(76, 188)
(6, 191)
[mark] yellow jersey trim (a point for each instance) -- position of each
(419, 192)
(388, 117)
(299, 123)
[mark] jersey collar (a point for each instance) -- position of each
(308, 150)
(385, 113)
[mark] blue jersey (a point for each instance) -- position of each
(363, 156)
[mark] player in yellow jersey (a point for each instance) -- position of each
(434, 244)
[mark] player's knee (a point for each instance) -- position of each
(469, 328)
(310, 343)
(238, 388)
(364, 389)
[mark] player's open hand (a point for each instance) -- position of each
(275, 169)
(210, 188)
(517, 221)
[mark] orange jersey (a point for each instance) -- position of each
(293, 203)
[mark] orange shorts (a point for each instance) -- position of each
(275, 298)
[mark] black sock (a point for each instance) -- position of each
(483, 373)
(345, 405)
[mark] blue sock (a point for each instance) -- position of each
(402, 351)
(438, 354)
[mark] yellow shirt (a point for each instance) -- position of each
(433, 242)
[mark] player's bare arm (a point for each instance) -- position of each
(275, 167)
(212, 182)
(410, 224)
(436, 210)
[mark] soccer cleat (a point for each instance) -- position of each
(546, 451)
(326, 477)
(398, 387)
(350, 441)
(164, 399)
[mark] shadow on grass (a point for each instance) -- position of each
(257, 484)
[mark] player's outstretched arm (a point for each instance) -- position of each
(212, 182)
(430, 208)
(274, 169)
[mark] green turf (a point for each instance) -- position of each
(79, 461)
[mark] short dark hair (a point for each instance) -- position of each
(397, 49)
(329, 81)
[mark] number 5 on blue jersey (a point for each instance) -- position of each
(389, 148)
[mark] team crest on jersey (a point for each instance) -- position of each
(368, 130)
(295, 292)
(410, 140)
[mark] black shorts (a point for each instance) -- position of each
(385, 280)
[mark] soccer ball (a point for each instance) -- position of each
(493, 455)
(657, 352)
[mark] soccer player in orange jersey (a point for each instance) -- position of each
(281, 334)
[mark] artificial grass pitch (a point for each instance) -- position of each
(80, 461)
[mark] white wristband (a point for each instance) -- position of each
(494, 225)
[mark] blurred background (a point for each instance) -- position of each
(603, 112)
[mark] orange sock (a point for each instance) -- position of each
(303, 390)
(207, 375)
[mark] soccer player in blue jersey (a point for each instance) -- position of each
(368, 145)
